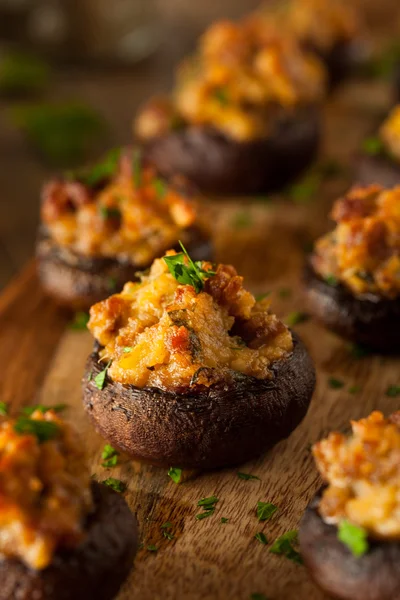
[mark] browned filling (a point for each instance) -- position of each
(131, 214)
(45, 493)
(162, 333)
(241, 74)
(363, 475)
(363, 251)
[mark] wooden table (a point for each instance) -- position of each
(42, 361)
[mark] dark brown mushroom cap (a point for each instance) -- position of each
(79, 282)
(94, 570)
(373, 576)
(218, 164)
(371, 321)
(226, 424)
(344, 59)
(377, 169)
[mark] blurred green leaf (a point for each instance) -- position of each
(22, 74)
(63, 133)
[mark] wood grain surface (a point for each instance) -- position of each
(42, 361)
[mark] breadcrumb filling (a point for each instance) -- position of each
(363, 475)
(363, 251)
(161, 333)
(239, 78)
(133, 215)
(45, 493)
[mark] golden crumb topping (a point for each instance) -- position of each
(240, 76)
(390, 133)
(320, 23)
(363, 251)
(363, 475)
(45, 491)
(129, 214)
(162, 333)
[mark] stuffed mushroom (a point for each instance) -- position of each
(379, 158)
(243, 118)
(62, 535)
(350, 534)
(189, 370)
(101, 225)
(332, 29)
(353, 274)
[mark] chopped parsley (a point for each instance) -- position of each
(42, 430)
(175, 473)
(373, 146)
(306, 190)
(109, 212)
(261, 297)
(3, 409)
(127, 349)
(335, 384)
(166, 525)
(208, 505)
(99, 172)
(265, 510)
(224, 520)
(115, 484)
(354, 537)
(109, 456)
(247, 476)
(79, 321)
(296, 317)
(331, 280)
(354, 389)
(160, 187)
(29, 410)
(152, 548)
(284, 546)
(260, 537)
(192, 274)
(165, 531)
(393, 391)
(100, 378)
(221, 94)
(242, 220)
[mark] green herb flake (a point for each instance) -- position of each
(100, 378)
(22, 73)
(165, 531)
(373, 146)
(187, 274)
(29, 410)
(284, 293)
(335, 384)
(306, 190)
(358, 351)
(166, 525)
(3, 409)
(109, 456)
(79, 321)
(354, 389)
(42, 430)
(221, 94)
(296, 317)
(109, 212)
(331, 280)
(127, 349)
(247, 476)
(258, 596)
(101, 171)
(89, 377)
(160, 187)
(242, 220)
(175, 473)
(261, 297)
(393, 391)
(260, 537)
(224, 520)
(354, 537)
(284, 546)
(209, 502)
(115, 484)
(265, 510)
(152, 548)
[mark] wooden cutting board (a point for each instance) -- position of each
(42, 361)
